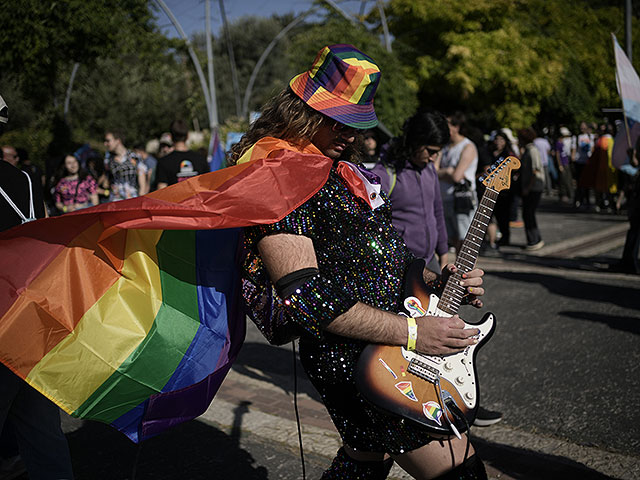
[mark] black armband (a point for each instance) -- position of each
(315, 303)
(288, 284)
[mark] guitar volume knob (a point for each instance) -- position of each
(459, 380)
(448, 366)
(468, 395)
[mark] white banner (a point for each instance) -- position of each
(628, 83)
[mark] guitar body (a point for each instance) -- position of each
(437, 391)
(406, 383)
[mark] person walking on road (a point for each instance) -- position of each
(504, 205)
(563, 162)
(531, 182)
(337, 264)
(409, 177)
(630, 262)
(457, 174)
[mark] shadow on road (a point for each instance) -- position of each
(193, 450)
(274, 365)
(599, 263)
(620, 295)
(523, 465)
(626, 324)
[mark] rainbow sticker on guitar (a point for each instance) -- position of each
(432, 411)
(407, 390)
(414, 307)
(384, 364)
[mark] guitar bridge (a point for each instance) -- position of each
(424, 371)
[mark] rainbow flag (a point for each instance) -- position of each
(129, 312)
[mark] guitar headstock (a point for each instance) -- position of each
(499, 175)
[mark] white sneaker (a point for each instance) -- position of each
(535, 246)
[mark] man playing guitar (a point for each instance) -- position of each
(337, 266)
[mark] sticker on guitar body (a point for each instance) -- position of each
(414, 307)
(433, 411)
(384, 364)
(407, 390)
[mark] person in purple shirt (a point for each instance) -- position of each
(408, 175)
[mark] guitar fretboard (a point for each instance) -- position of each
(453, 293)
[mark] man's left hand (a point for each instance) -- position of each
(472, 281)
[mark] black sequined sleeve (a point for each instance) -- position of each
(319, 301)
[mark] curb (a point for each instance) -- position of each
(232, 408)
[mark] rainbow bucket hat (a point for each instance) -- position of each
(341, 84)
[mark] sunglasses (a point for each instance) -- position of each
(343, 129)
(432, 151)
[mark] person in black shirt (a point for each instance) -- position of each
(35, 419)
(182, 163)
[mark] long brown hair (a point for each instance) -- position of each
(287, 117)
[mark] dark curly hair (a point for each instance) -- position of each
(424, 128)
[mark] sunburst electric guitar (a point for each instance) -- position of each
(438, 391)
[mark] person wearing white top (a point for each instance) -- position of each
(457, 167)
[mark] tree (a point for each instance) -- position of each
(247, 51)
(130, 76)
(508, 62)
(139, 93)
(40, 39)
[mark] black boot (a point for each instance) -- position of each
(471, 469)
(346, 468)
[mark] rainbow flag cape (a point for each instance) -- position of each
(129, 312)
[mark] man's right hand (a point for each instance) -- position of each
(443, 335)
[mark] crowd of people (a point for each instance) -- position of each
(87, 177)
(577, 169)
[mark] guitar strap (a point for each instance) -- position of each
(23, 218)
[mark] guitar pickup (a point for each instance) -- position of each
(424, 371)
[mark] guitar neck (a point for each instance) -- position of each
(453, 293)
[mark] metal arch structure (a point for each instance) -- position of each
(265, 54)
(194, 59)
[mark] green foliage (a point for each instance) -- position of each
(130, 77)
(510, 62)
(137, 94)
(41, 38)
(34, 140)
(506, 62)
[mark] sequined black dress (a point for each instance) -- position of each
(361, 258)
